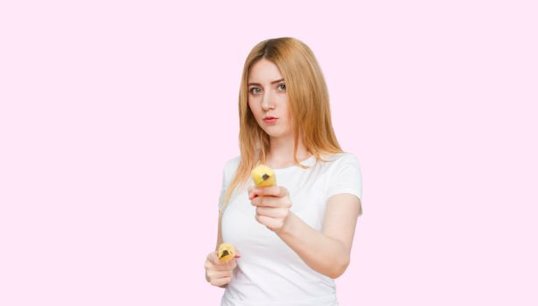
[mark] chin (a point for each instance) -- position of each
(277, 134)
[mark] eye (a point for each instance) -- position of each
(281, 87)
(255, 90)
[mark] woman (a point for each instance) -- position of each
(295, 238)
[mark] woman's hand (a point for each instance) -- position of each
(272, 206)
(218, 273)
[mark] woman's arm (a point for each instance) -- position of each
(328, 251)
(218, 273)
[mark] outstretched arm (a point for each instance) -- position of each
(326, 252)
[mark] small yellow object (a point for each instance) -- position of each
(263, 176)
(226, 252)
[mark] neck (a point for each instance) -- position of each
(281, 153)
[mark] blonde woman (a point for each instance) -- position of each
(295, 238)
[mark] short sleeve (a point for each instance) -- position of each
(346, 177)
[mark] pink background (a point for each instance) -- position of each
(116, 118)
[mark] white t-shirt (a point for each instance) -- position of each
(269, 272)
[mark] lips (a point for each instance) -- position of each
(270, 119)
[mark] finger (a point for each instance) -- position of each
(219, 274)
(272, 202)
(275, 191)
(225, 266)
(230, 265)
(272, 212)
(221, 281)
(213, 258)
(221, 266)
(254, 192)
(271, 223)
(256, 201)
(251, 192)
(219, 278)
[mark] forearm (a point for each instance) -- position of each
(323, 254)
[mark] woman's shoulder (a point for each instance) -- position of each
(231, 166)
(232, 162)
(340, 158)
(344, 174)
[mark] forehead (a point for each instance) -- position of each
(264, 71)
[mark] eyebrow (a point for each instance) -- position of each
(273, 82)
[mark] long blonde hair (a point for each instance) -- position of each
(308, 106)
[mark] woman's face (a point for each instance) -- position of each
(268, 99)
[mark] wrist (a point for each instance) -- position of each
(287, 226)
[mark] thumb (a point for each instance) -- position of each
(213, 257)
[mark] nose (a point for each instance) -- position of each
(267, 103)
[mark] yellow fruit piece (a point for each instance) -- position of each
(226, 252)
(263, 176)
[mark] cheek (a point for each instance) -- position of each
(285, 109)
(283, 102)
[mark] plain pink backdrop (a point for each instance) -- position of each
(116, 118)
